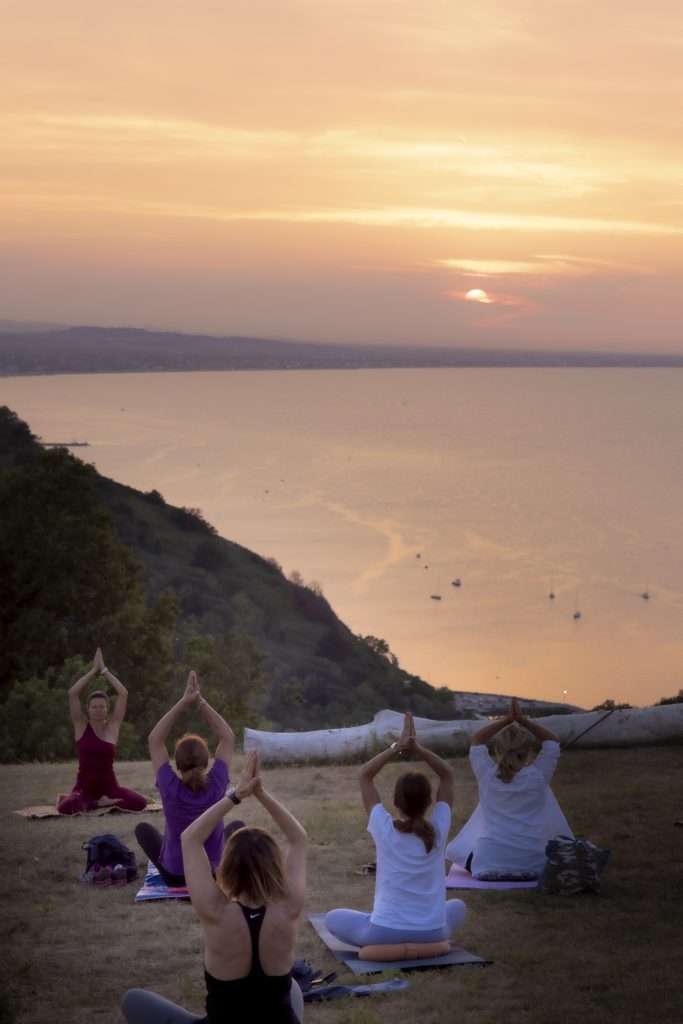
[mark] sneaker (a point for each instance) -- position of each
(102, 877)
(120, 877)
(88, 877)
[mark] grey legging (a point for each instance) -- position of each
(356, 928)
(142, 1007)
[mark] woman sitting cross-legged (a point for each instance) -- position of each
(184, 798)
(410, 890)
(517, 814)
(96, 732)
(248, 914)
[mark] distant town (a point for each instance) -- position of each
(34, 350)
(489, 705)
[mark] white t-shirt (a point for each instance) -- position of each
(514, 828)
(410, 885)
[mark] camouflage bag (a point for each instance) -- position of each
(572, 866)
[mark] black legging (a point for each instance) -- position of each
(150, 839)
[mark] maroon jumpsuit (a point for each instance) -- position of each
(96, 778)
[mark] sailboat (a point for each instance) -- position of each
(577, 613)
(646, 593)
(551, 595)
(437, 595)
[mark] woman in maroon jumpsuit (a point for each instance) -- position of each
(96, 735)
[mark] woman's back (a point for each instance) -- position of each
(182, 805)
(409, 884)
(228, 952)
(247, 963)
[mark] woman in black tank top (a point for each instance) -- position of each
(248, 914)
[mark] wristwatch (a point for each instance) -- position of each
(394, 746)
(233, 795)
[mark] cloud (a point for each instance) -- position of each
(556, 265)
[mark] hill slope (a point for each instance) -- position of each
(319, 674)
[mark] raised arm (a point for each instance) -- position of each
(485, 735)
(444, 790)
(297, 840)
(220, 728)
(75, 708)
(207, 898)
(541, 733)
(156, 741)
(119, 709)
(366, 776)
(514, 715)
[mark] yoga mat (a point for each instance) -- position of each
(154, 888)
(458, 878)
(39, 811)
(349, 954)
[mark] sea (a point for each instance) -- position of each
(388, 488)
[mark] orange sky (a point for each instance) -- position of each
(347, 170)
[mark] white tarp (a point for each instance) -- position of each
(626, 728)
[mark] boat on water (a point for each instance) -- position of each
(551, 594)
(435, 597)
(457, 582)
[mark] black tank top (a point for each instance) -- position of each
(258, 992)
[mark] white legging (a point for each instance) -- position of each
(142, 1007)
(357, 929)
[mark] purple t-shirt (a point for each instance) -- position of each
(182, 806)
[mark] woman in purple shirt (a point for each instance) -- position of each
(188, 792)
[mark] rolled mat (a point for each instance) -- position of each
(404, 950)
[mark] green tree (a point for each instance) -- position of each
(610, 705)
(35, 723)
(231, 671)
(62, 569)
(678, 699)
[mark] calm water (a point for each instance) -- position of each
(507, 479)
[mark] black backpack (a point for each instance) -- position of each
(108, 851)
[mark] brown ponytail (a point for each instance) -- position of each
(412, 796)
(192, 761)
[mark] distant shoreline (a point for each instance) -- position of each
(94, 350)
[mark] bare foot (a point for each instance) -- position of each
(108, 801)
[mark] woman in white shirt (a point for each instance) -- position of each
(410, 895)
(517, 813)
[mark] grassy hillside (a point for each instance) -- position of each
(319, 673)
(316, 664)
(70, 953)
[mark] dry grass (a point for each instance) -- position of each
(71, 952)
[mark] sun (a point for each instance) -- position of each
(477, 295)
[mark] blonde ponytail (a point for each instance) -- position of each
(512, 747)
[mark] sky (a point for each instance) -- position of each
(480, 173)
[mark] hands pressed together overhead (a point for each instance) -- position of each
(192, 693)
(251, 782)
